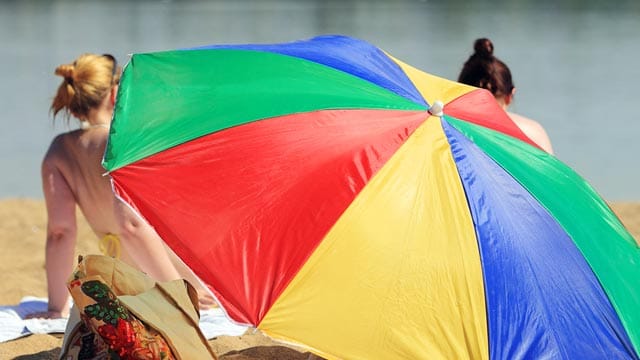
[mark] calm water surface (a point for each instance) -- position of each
(574, 62)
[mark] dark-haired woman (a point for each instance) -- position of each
(486, 71)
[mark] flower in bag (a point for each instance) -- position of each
(121, 338)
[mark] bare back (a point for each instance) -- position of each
(74, 158)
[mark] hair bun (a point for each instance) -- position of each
(66, 71)
(483, 48)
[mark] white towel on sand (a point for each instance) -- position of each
(13, 324)
(214, 323)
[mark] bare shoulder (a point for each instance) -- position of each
(56, 147)
(534, 130)
(525, 122)
(60, 148)
(55, 150)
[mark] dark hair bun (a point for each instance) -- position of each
(483, 48)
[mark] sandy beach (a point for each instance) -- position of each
(22, 235)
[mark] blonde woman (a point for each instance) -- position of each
(72, 176)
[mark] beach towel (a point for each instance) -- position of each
(13, 324)
(120, 311)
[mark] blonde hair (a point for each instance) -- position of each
(87, 81)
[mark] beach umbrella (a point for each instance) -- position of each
(335, 197)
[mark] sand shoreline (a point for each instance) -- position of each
(22, 234)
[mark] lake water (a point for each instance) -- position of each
(574, 62)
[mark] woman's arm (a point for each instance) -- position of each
(148, 252)
(61, 237)
(143, 245)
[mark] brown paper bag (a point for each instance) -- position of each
(120, 313)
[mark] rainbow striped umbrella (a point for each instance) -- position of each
(328, 199)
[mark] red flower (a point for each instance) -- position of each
(121, 339)
(132, 341)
